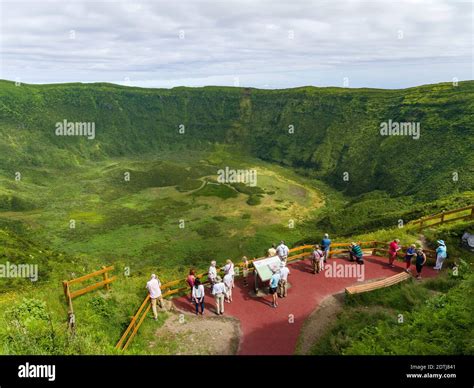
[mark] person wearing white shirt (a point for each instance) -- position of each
(228, 282)
(198, 296)
(282, 251)
(219, 293)
(229, 269)
(272, 251)
(154, 290)
(284, 272)
(212, 273)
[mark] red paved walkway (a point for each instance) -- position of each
(267, 330)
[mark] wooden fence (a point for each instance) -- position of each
(463, 213)
(70, 295)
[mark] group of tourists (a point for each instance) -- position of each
(416, 254)
(320, 254)
(221, 287)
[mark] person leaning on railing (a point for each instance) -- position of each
(355, 253)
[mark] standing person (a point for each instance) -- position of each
(190, 280)
(393, 248)
(420, 262)
(198, 296)
(229, 269)
(355, 253)
(154, 289)
(317, 258)
(245, 271)
(229, 283)
(409, 255)
(441, 254)
(219, 293)
(282, 251)
(274, 280)
(326, 246)
(212, 273)
(271, 251)
(283, 284)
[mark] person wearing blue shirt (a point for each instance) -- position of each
(274, 280)
(326, 246)
(441, 254)
(409, 255)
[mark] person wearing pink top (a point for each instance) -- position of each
(393, 248)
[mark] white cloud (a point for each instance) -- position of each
(274, 43)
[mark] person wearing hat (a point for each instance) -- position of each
(393, 248)
(441, 254)
(274, 280)
(283, 283)
(219, 294)
(154, 289)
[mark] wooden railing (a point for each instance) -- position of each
(462, 213)
(177, 286)
(70, 295)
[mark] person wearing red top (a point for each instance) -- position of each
(190, 280)
(392, 251)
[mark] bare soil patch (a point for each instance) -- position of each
(318, 322)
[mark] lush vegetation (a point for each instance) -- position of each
(144, 196)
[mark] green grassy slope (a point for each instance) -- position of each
(335, 130)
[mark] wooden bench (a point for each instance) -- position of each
(390, 281)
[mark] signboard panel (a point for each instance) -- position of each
(264, 267)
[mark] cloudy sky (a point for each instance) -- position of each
(265, 44)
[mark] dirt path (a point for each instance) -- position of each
(318, 322)
(200, 335)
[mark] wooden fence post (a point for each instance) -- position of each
(106, 277)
